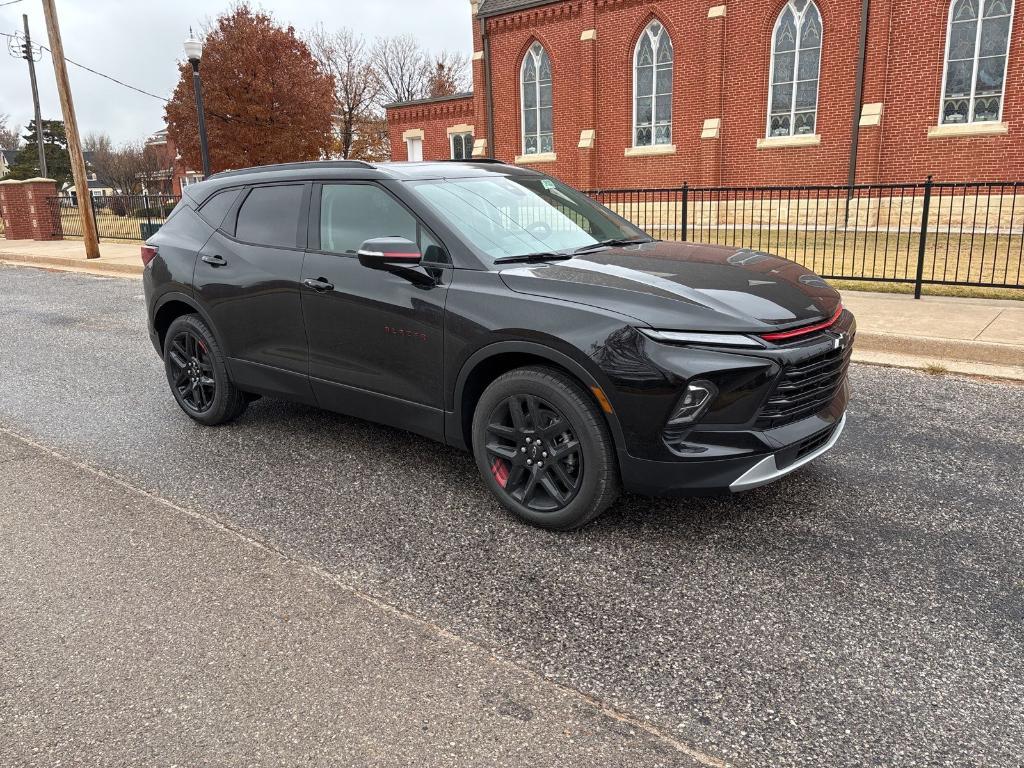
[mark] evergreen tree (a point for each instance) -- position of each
(55, 145)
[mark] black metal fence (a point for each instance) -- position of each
(118, 217)
(938, 233)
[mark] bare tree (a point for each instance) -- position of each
(402, 67)
(10, 137)
(97, 142)
(345, 56)
(449, 74)
(125, 168)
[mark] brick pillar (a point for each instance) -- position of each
(14, 208)
(872, 108)
(710, 136)
(587, 96)
(480, 148)
(44, 210)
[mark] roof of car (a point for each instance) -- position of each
(355, 170)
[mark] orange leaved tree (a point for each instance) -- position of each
(266, 98)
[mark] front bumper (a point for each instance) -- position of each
(811, 438)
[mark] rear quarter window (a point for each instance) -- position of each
(216, 208)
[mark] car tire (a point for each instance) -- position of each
(546, 399)
(198, 375)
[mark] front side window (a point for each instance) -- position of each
(509, 216)
(538, 130)
(652, 87)
(462, 146)
(351, 214)
(977, 41)
(270, 216)
(795, 64)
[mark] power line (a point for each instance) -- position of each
(225, 118)
(11, 2)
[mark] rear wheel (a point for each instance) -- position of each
(544, 448)
(197, 373)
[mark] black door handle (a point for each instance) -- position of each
(214, 261)
(320, 284)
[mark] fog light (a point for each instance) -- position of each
(695, 401)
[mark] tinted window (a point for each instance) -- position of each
(216, 208)
(270, 216)
(351, 214)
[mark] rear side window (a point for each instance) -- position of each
(216, 208)
(270, 216)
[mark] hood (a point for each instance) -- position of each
(685, 286)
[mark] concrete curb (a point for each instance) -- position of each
(938, 365)
(92, 266)
(947, 349)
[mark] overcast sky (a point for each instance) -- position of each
(139, 42)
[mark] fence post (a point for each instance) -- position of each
(686, 205)
(926, 204)
(95, 223)
(149, 213)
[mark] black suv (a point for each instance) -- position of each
(500, 311)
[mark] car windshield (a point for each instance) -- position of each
(506, 217)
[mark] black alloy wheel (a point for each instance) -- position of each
(190, 371)
(544, 448)
(197, 373)
(533, 453)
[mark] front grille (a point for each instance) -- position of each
(805, 388)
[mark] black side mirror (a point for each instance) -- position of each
(381, 252)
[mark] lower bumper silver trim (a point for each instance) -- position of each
(765, 471)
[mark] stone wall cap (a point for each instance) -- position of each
(35, 180)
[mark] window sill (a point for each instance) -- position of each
(539, 157)
(781, 142)
(967, 129)
(652, 151)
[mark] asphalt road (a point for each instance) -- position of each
(868, 610)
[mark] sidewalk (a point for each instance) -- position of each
(217, 650)
(980, 337)
(121, 259)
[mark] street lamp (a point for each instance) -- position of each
(194, 52)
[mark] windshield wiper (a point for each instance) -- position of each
(533, 257)
(614, 242)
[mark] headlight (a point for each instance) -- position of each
(695, 401)
(703, 339)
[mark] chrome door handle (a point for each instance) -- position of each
(214, 261)
(318, 285)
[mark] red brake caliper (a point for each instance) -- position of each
(500, 471)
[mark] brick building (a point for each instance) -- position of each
(641, 93)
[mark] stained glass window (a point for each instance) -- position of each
(976, 46)
(652, 87)
(462, 146)
(538, 127)
(795, 66)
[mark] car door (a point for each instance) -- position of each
(376, 336)
(247, 277)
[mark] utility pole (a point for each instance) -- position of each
(60, 69)
(30, 58)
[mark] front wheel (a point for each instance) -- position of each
(544, 449)
(197, 373)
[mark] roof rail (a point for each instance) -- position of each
(472, 160)
(305, 165)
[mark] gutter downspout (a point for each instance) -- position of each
(488, 96)
(858, 88)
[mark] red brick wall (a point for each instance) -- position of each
(434, 119)
(721, 71)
